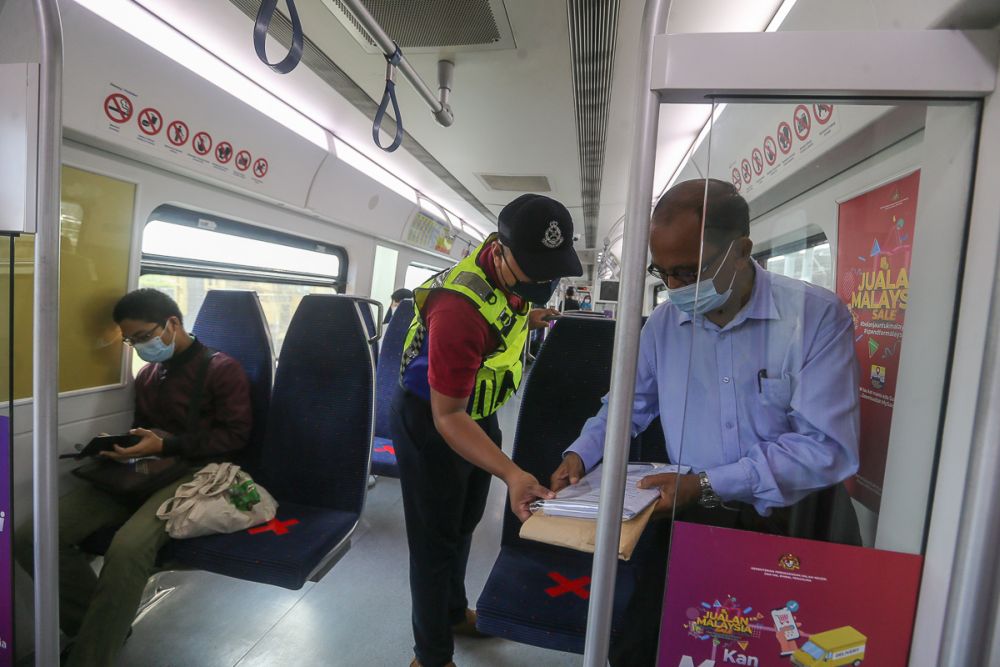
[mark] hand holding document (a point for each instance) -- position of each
(581, 500)
(568, 520)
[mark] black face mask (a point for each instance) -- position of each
(530, 292)
(535, 292)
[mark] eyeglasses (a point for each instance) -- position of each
(142, 336)
(684, 275)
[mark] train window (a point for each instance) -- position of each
(95, 225)
(417, 274)
(186, 254)
(811, 261)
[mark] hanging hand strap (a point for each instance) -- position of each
(264, 16)
(392, 63)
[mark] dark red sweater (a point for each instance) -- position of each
(163, 393)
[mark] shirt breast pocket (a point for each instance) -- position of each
(776, 392)
(774, 406)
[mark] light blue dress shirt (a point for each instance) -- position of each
(765, 438)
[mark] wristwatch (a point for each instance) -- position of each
(709, 498)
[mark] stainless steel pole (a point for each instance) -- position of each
(626, 351)
(442, 112)
(45, 384)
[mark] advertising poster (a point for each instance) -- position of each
(741, 598)
(874, 243)
(6, 555)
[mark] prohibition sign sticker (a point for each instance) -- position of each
(178, 133)
(224, 152)
(260, 168)
(243, 160)
(737, 181)
(803, 122)
(823, 113)
(758, 161)
(770, 150)
(202, 143)
(784, 137)
(118, 108)
(150, 121)
(745, 167)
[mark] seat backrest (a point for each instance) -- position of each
(317, 450)
(371, 328)
(387, 373)
(233, 322)
(564, 389)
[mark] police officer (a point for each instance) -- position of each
(462, 360)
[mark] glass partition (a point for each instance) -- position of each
(812, 284)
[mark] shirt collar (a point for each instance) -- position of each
(761, 305)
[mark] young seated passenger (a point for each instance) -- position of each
(769, 409)
(98, 611)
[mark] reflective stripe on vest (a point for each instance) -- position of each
(500, 374)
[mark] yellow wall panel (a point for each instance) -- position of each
(96, 224)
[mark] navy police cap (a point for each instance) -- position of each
(539, 232)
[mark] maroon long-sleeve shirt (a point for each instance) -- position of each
(163, 393)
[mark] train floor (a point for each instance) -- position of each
(358, 614)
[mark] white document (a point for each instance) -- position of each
(581, 500)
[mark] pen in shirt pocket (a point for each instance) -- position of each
(761, 375)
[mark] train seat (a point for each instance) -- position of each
(386, 381)
(233, 322)
(538, 594)
(315, 457)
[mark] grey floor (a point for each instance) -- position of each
(357, 615)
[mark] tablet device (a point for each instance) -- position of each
(104, 443)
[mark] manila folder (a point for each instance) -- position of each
(580, 534)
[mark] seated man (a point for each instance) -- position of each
(99, 611)
(754, 377)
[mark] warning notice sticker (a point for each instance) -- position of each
(142, 123)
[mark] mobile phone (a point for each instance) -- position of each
(104, 443)
(784, 623)
(550, 318)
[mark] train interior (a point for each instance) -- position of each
(190, 166)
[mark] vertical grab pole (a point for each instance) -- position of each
(45, 383)
(626, 350)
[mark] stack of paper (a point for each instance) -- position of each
(581, 500)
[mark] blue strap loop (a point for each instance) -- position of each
(264, 17)
(392, 62)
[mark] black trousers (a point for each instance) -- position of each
(443, 500)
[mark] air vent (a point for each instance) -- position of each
(593, 31)
(432, 25)
(507, 183)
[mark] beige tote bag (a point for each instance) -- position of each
(205, 505)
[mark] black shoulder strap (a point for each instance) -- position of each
(198, 391)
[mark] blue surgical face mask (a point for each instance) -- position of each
(155, 349)
(702, 297)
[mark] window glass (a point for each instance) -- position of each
(95, 224)
(278, 300)
(185, 254)
(813, 264)
(204, 245)
(804, 390)
(417, 274)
